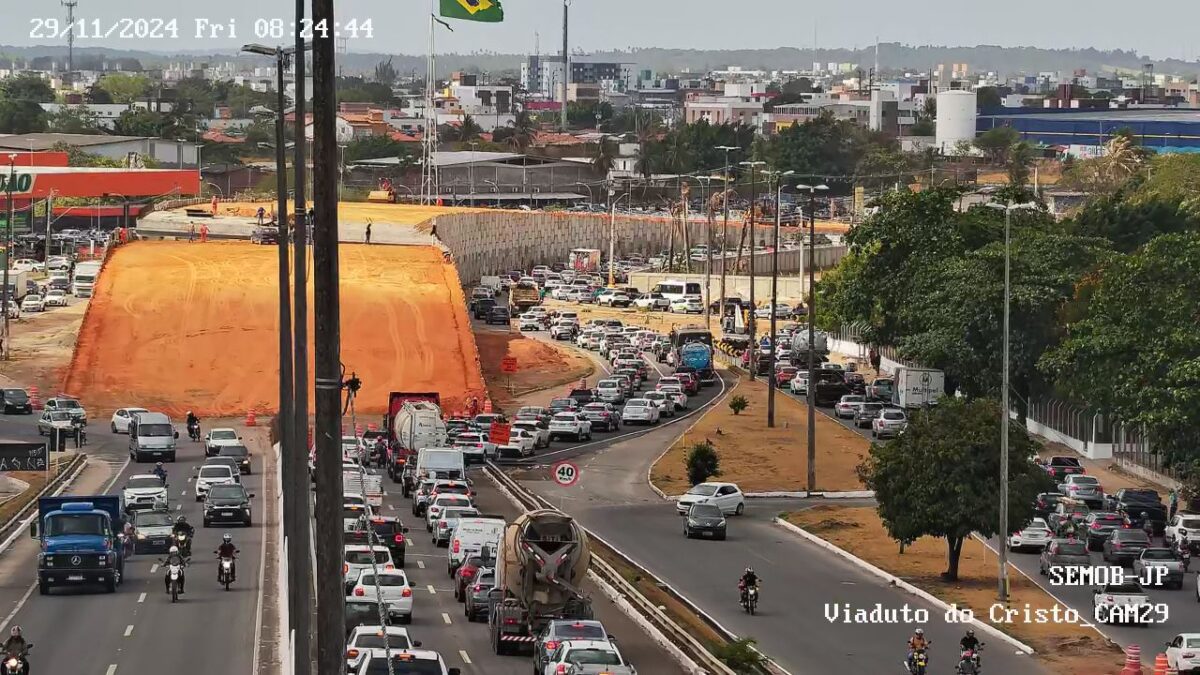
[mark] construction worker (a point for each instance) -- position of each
(262, 213)
(368, 230)
(203, 232)
(214, 205)
(192, 233)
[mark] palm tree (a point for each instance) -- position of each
(524, 131)
(469, 129)
(605, 157)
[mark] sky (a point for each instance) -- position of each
(1157, 28)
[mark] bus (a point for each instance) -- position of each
(692, 346)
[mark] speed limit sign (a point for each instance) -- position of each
(566, 474)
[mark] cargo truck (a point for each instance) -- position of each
(693, 348)
(81, 541)
(418, 425)
(85, 279)
(522, 296)
(540, 566)
(17, 286)
(918, 387)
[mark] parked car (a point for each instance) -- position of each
(614, 299)
(889, 424)
(265, 235)
(652, 301)
(17, 401)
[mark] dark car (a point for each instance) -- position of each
(152, 530)
(17, 400)
(704, 520)
(603, 416)
(1099, 526)
(1124, 545)
(389, 532)
(1128, 495)
(475, 604)
(1063, 553)
(1155, 513)
(1061, 467)
(240, 453)
(481, 308)
(497, 315)
(582, 396)
(564, 405)
(827, 386)
(857, 384)
(265, 235)
(363, 612)
(228, 504)
(1045, 504)
(466, 572)
(58, 284)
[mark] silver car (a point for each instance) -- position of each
(890, 423)
(447, 520)
(848, 405)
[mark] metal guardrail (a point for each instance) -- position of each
(66, 473)
(679, 636)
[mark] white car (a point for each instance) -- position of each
(393, 585)
(529, 321)
(573, 425)
(55, 297)
(1183, 524)
(1034, 535)
(358, 557)
(121, 418)
(640, 411)
(665, 403)
(614, 299)
(728, 496)
(652, 301)
(848, 405)
(687, 305)
(782, 309)
(14, 309)
(563, 329)
(799, 383)
(33, 303)
(521, 443)
(367, 641)
(222, 436)
(58, 262)
(411, 661)
(890, 423)
(27, 265)
(610, 391)
(143, 491)
(442, 529)
(539, 432)
(586, 653)
(1183, 653)
(210, 475)
(442, 502)
(475, 446)
(676, 393)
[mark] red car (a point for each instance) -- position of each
(691, 383)
(466, 572)
(784, 375)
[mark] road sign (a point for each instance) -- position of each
(508, 365)
(17, 456)
(499, 433)
(566, 474)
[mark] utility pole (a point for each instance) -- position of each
(812, 304)
(684, 194)
(331, 628)
(752, 323)
(774, 300)
(5, 297)
(566, 69)
(299, 537)
(724, 233)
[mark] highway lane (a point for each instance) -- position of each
(137, 629)
(438, 620)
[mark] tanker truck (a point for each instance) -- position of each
(540, 566)
(416, 426)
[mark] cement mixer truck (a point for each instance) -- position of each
(540, 566)
(414, 421)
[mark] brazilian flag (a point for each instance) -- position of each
(488, 11)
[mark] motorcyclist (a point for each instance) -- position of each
(174, 557)
(971, 643)
(917, 641)
(193, 424)
(1184, 550)
(748, 580)
(227, 550)
(182, 526)
(15, 645)
(161, 472)
(1147, 526)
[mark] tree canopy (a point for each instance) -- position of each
(28, 87)
(124, 87)
(940, 478)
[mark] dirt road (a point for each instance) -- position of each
(177, 326)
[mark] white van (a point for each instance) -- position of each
(443, 463)
(472, 534)
(151, 436)
(674, 289)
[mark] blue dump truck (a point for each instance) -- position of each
(80, 544)
(693, 346)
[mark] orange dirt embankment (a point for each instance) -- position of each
(177, 326)
(540, 366)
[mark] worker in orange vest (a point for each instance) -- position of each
(214, 205)
(203, 232)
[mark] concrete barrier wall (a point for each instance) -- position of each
(495, 242)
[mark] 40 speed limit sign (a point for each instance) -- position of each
(566, 474)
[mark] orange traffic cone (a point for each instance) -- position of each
(1160, 664)
(1133, 661)
(34, 401)
(251, 419)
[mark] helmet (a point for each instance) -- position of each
(920, 631)
(227, 537)
(749, 570)
(181, 519)
(16, 631)
(970, 633)
(173, 550)
(158, 466)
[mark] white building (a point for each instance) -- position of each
(543, 74)
(106, 113)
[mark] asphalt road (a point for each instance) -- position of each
(803, 584)
(137, 629)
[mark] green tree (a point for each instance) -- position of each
(524, 131)
(882, 166)
(1017, 164)
(996, 144)
(938, 478)
(466, 130)
(923, 127)
(605, 156)
(1134, 353)
(1128, 221)
(73, 120)
(987, 98)
(358, 90)
(1173, 177)
(21, 116)
(124, 87)
(28, 87)
(376, 147)
(95, 94)
(195, 95)
(139, 122)
(702, 463)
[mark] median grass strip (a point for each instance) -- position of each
(1065, 648)
(762, 459)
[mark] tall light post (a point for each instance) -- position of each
(724, 230)
(612, 235)
(750, 226)
(1004, 419)
(12, 179)
(591, 199)
(774, 300)
(471, 170)
(812, 305)
(708, 244)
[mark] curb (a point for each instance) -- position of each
(21, 519)
(898, 582)
(852, 494)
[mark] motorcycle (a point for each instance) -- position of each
(968, 661)
(17, 664)
(225, 572)
(194, 432)
(126, 545)
(184, 543)
(918, 663)
(750, 599)
(174, 572)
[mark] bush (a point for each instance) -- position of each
(738, 403)
(702, 463)
(740, 656)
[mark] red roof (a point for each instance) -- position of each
(405, 137)
(218, 137)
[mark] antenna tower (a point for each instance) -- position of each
(70, 5)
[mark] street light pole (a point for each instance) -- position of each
(774, 300)
(812, 304)
(612, 236)
(724, 231)
(753, 319)
(12, 179)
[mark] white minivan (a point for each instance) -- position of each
(674, 289)
(152, 436)
(472, 534)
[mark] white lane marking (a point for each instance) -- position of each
(446, 618)
(421, 564)
(463, 654)
(179, 507)
(112, 669)
(20, 603)
(432, 590)
(183, 494)
(141, 598)
(128, 630)
(153, 568)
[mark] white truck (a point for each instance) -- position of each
(17, 288)
(918, 387)
(440, 463)
(415, 426)
(368, 484)
(84, 282)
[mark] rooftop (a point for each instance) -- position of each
(1139, 115)
(47, 141)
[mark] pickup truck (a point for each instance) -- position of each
(80, 541)
(1061, 466)
(1124, 602)
(1146, 567)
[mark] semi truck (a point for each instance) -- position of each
(418, 425)
(85, 279)
(81, 541)
(400, 433)
(541, 563)
(918, 387)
